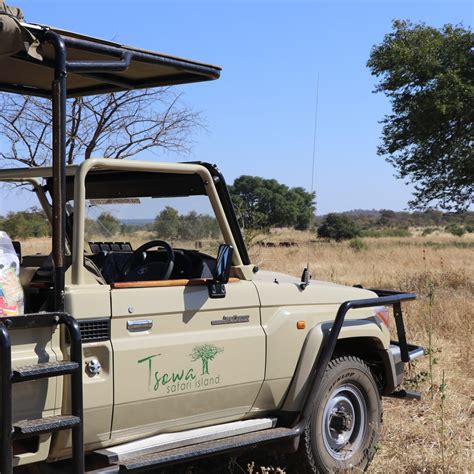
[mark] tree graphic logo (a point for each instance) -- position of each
(205, 352)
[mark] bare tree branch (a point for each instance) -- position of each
(118, 125)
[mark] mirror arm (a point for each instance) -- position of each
(221, 272)
(216, 289)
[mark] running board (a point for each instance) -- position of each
(182, 439)
(209, 448)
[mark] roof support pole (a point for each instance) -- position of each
(59, 165)
(59, 96)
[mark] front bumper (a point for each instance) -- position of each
(395, 365)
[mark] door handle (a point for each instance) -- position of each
(140, 325)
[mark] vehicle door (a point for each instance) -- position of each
(183, 359)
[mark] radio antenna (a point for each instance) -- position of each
(306, 276)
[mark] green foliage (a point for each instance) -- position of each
(338, 227)
(109, 223)
(390, 232)
(428, 231)
(427, 73)
(198, 226)
(169, 224)
(26, 224)
(264, 203)
(387, 218)
(358, 244)
(456, 229)
(374, 219)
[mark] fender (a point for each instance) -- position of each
(359, 328)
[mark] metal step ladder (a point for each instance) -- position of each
(10, 431)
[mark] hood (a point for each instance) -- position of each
(279, 289)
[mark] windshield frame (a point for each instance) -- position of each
(77, 277)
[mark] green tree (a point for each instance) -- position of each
(167, 223)
(338, 227)
(263, 203)
(388, 218)
(194, 226)
(210, 227)
(109, 223)
(26, 224)
(205, 353)
(428, 75)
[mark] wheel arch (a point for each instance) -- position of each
(362, 338)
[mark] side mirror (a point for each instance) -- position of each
(221, 271)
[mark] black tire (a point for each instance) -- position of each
(344, 428)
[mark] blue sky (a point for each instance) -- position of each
(260, 113)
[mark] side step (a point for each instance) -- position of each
(39, 371)
(208, 448)
(9, 376)
(167, 441)
(44, 425)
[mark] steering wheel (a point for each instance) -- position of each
(138, 258)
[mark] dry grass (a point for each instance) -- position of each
(412, 439)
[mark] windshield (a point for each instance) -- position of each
(185, 222)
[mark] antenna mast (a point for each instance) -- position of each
(306, 276)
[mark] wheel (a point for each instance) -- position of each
(345, 424)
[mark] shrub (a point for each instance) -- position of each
(26, 224)
(428, 231)
(338, 227)
(357, 244)
(456, 229)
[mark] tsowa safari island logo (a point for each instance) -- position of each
(187, 378)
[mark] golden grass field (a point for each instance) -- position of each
(417, 437)
(433, 435)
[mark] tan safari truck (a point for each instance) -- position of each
(136, 353)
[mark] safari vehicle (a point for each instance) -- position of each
(135, 355)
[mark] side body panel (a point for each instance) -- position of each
(289, 348)
(186, 370)
(89, 302)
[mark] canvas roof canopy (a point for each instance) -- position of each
(27, 62)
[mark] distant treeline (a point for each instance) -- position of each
(170, 224)
(387, 223)
(367, 219)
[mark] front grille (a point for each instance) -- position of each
(94, 330)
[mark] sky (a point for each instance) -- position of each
(260, 114)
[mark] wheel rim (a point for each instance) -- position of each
(344, 421)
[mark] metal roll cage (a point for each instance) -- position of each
(99, 70)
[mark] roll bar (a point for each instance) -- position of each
(103, 65)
